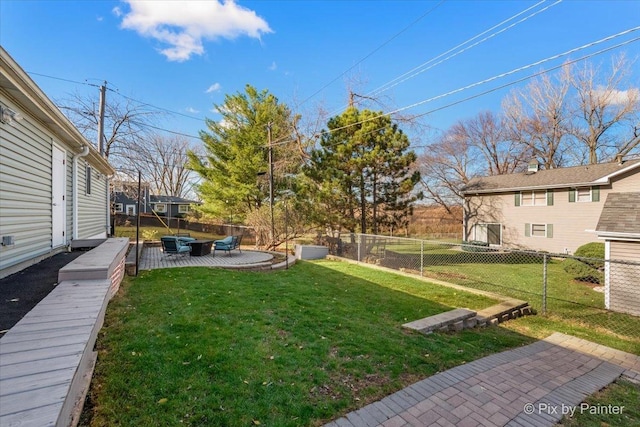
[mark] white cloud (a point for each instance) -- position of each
(273, 66)
(184, 25)
(616, 97)
(192, 110)
(100, 18)
(213, 88)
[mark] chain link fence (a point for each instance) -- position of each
(598, 294)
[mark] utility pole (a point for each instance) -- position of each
(273, 227)
(103, 95)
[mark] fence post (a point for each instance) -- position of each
(421, 256)
(544, 284)
(359, 245)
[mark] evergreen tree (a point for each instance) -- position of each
(363, 172)
(235, 169)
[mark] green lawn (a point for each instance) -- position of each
(571, 306)
(198, 346)
(616, 405)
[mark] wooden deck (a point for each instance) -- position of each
(47, 359)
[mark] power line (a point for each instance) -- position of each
(629, 31)
(374, 51)
(422, 68)
(155, 106)
(62, 79)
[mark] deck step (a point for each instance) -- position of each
(441, 321)
(462, 318)
(506, 310)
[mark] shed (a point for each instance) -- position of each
(619, 226)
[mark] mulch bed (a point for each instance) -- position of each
(20, 292)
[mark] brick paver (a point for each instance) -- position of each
(528, 386)
(152, 258)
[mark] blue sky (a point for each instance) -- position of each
(185, 56)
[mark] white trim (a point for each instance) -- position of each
(605, 179)
(607, 274)
(610, 235)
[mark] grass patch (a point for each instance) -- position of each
(572, 306)
(198, 346)
(622, 394)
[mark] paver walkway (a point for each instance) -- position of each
(152, 257)
(526, 387)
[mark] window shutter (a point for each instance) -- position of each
(527, 230)
(549, 197)
(595, 194)
(517, 199)
(572, 195)
(549, 231)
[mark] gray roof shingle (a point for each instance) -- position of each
(572, 176)
(620, 214)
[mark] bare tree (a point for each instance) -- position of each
(125, 122)
(445, 167)
(485, 132)
(606, 112)
(538, 119)
(163, 162)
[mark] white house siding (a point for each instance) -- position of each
(92, 208)
(25, 187)
(624, 286)
(573, 223)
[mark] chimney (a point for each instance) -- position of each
(533, 166)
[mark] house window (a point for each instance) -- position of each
(131, 210)
(118, 207)
(584, 194)
(538, 230)
(160, 207)
(87, 181)
(534, 198)
(183, 208)
(490, 233)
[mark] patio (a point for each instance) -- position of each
(153, 257)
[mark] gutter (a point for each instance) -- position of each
(83, 153)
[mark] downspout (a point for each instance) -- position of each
(83, 153)
(108, 178)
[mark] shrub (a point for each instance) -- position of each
(587, 270)
(592, 250)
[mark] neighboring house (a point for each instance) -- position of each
(170, 206)
(619, 226)
(53, 183)
(553, 210)
(125, 202)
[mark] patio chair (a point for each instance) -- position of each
(172, 245)
(227, 244)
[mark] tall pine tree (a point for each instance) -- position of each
(363, 172)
